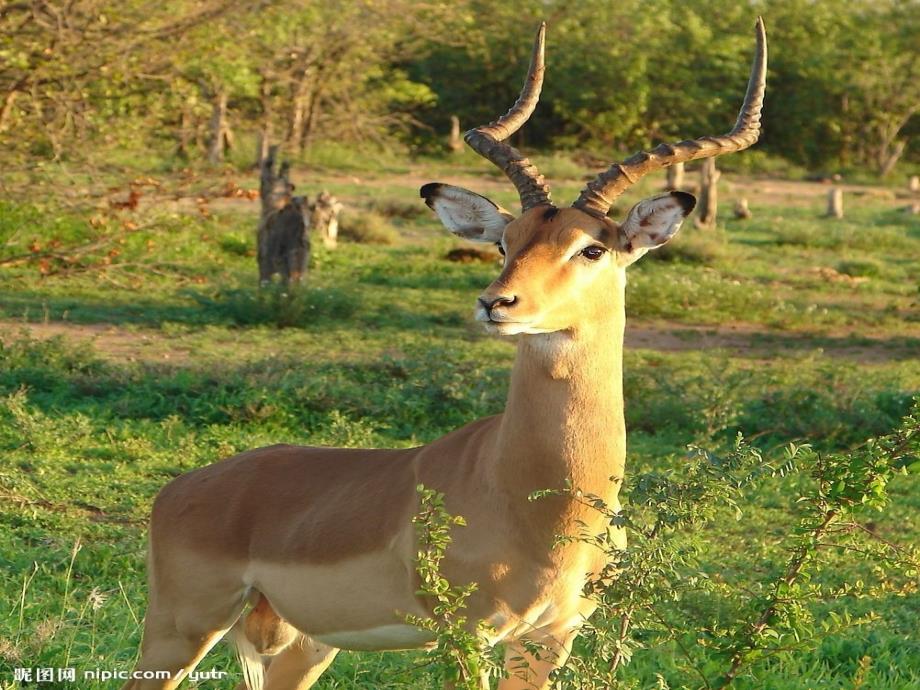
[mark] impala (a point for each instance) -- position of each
(320, 540)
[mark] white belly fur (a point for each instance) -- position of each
(378, 639)
(341, 604)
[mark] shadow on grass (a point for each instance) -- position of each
(765, 344)
(399, 394)
(307, 308)
(392, 399)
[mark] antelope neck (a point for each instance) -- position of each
(564, 418)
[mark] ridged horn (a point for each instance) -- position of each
(489, 140)
(599, 195)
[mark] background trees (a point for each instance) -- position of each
(89, 75)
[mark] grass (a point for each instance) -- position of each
(201, 364)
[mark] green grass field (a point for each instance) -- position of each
(152, 352)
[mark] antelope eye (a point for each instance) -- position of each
(501, 249)
(593, 253)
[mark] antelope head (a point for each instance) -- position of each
(564, 267)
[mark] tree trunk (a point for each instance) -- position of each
(185, 134)
(218, 128)
(267, 180)
(263, 142)
(229, 140)
(312, 114)
(300, 106)
(282, 245)
(846, 131)
(913, 184)
(454, 141)
(709, 194)
(835, 203)
(7, 110)
(298, 118)
(675, 177)
(890, 157)
(265, 135)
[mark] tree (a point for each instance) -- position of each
(66, 69)
(886, 86)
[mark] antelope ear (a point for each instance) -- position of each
(465, 213)
(651, 223)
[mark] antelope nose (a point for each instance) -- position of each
(490, 303)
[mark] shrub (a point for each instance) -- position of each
(866, 268)
(397, 208)
(654, 592)
(561, 166)
(367, 227)
(863, 234)
(698, 248)
(238, 246)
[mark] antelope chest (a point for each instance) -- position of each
(549, 601)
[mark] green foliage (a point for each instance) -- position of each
(843, 79)
(657, 592)
(396, 208)
(704, 249)
(701, 399)
(367, 227)
(866, 268)
(461, 656)
(560, 166)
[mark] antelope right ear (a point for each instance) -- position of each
(651, 223)
(465, 213)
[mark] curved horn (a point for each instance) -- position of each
(599, 195)
(489, 140)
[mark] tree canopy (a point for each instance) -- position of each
(843, 89)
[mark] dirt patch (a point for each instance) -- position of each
(111, 342)
(752, 340)
(761, 192)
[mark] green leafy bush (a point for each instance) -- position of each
(692, 247)
(656, 592)
(391, 207)
(367, 227)
(866, 268)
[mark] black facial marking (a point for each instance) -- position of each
(550, 213)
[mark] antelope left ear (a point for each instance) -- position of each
(651, 223)
(465, 213)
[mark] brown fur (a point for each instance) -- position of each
(343, 498)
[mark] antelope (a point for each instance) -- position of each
(320, 541)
